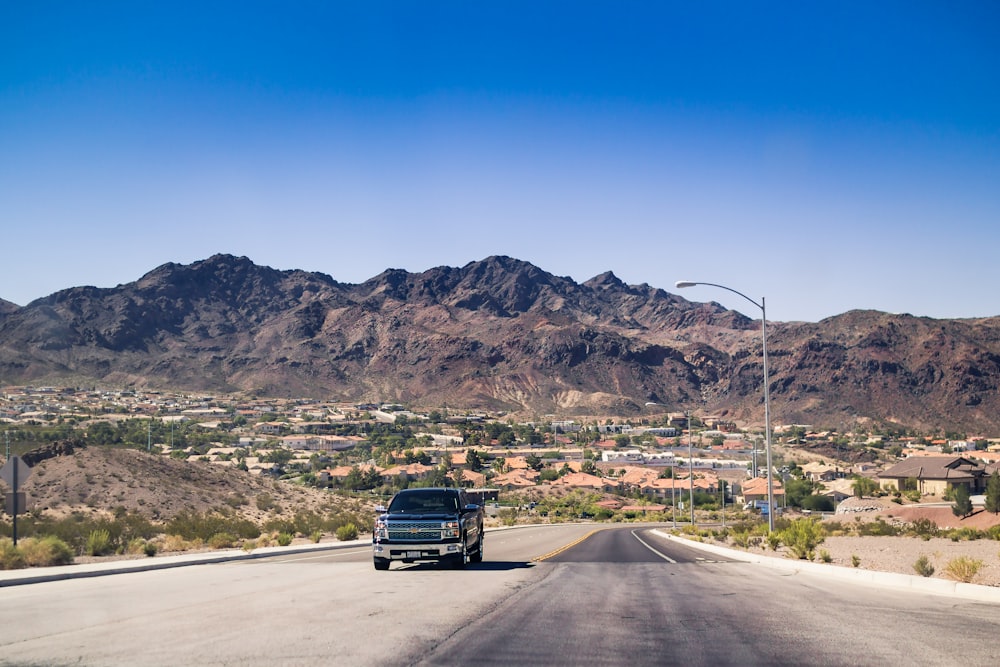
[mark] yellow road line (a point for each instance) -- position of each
(561, 549)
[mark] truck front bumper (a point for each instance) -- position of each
(415, 552)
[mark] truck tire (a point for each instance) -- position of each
(477, 555)
(381, 563)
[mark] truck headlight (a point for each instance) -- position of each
(381, 531)
(450, 529)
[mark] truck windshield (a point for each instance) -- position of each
(424, 502)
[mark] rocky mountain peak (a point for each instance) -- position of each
(501, 334)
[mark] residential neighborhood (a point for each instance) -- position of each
(654, 460)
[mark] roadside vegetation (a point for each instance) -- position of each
(45, 540)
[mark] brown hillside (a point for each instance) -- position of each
(94, 479)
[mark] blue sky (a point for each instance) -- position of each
(827, 156)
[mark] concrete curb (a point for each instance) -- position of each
(41, 574)
(888, 579)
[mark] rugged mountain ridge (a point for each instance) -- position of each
(499, 334)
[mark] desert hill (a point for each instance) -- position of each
(159, 487)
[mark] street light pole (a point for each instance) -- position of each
(690, 469)
(767, 399)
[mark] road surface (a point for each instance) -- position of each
(546, 595)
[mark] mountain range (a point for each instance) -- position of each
(502, 335)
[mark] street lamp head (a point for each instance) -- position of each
(680, 284)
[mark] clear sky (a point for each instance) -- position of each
(825, 155)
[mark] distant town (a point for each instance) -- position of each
(661, 460)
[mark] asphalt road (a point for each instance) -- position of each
(621, 596)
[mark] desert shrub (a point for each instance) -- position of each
(99, 543)
(802, 537)
(11, 557)
(305, 522)
(912, 495)
(877, 528)
(202, 526)
(316, 536)
(963, 568)
(249, 545)
(172, 542)
(279, 525)
(825, 556)
(265, 502)
(347, 532)
(923, 528)
(855, 560)
(139, 546)
(774, 540)
(741, 538)
(284, 539)
(835, 526)
(993, 532)
(923, 567)
(222, 541)
(45, 551)
(966, 534)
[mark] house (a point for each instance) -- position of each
(516, 479)
(665, 488)
(817, 471)
(469, 478)
(411, 472)
(580, 480)
(934, 475)
(756, 489)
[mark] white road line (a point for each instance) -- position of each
(646, 544)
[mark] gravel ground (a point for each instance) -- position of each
(898, 554)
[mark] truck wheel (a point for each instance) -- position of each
(381, 563)
(477, 555)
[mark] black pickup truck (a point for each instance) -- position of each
(435, 524)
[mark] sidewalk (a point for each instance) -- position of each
(34, 575)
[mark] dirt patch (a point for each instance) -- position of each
(942, 516)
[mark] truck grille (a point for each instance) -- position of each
(415, 530)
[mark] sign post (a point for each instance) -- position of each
(14, 472)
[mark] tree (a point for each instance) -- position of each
(863, 486)
(993, 493)
(548, 475)
(796, 490)
(473, 459)
(963, 503)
